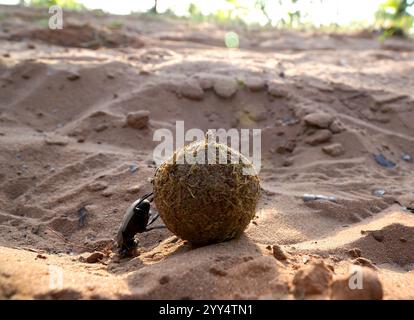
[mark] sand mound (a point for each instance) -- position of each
(81, 36)
(392, 244)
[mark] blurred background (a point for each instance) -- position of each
(390, 17)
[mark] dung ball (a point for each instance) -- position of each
(206, 192)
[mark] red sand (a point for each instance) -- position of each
(65, 145)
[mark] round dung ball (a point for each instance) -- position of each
(206, 201)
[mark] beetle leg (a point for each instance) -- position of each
(153, 219)
(155, 227)
(128, 248)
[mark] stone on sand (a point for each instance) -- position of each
(98, 186)
(134, 189)
(334, 150)
(319, 137)
(314, 279)
(101, 127)
(205, 80)
(276, 91)
(255, 83)
(370, 289)
(336, 126)
(94, 257)
(318, 119)
(286, 147)
(56, 140)
(72, 76)
(258, 116)
(361, 261)
(355, 252)
(225, 87)
(287, 162)
(278, 253)
(192, 90)
(138, 119)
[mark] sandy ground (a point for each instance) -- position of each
(64, 97)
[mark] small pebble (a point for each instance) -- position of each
(364, 262)
(314, 279)
(312, 197)
(287, 147)
(255, 83)
(288, 121)
(133, 168)
(107, 193)
(225, 87)
(101, 127)
(336, 127)
(378, 235)
(94, 257)
(192, 90)
(334, 150)
(164, 279)
(381, 160)
(82, 215)
(278, 253)
(355, 252)
(318, 119)
(287, 162)
(73, 76)
(276, 91)
(134, 189)
(138, 119)
(217, 271)
(378, 192)
(98, 186)
(319, 137)
(56, 141)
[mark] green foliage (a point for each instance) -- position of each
(261, 5)
(228, 16)
(292, 19)
(44, 23)
(67, 4)
(115, 24)
(3, 16)
(393, 17)
(98, 12)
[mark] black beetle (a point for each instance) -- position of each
(136, 220)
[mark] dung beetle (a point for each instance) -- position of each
(136, 220)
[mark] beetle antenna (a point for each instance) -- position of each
(145, 197)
